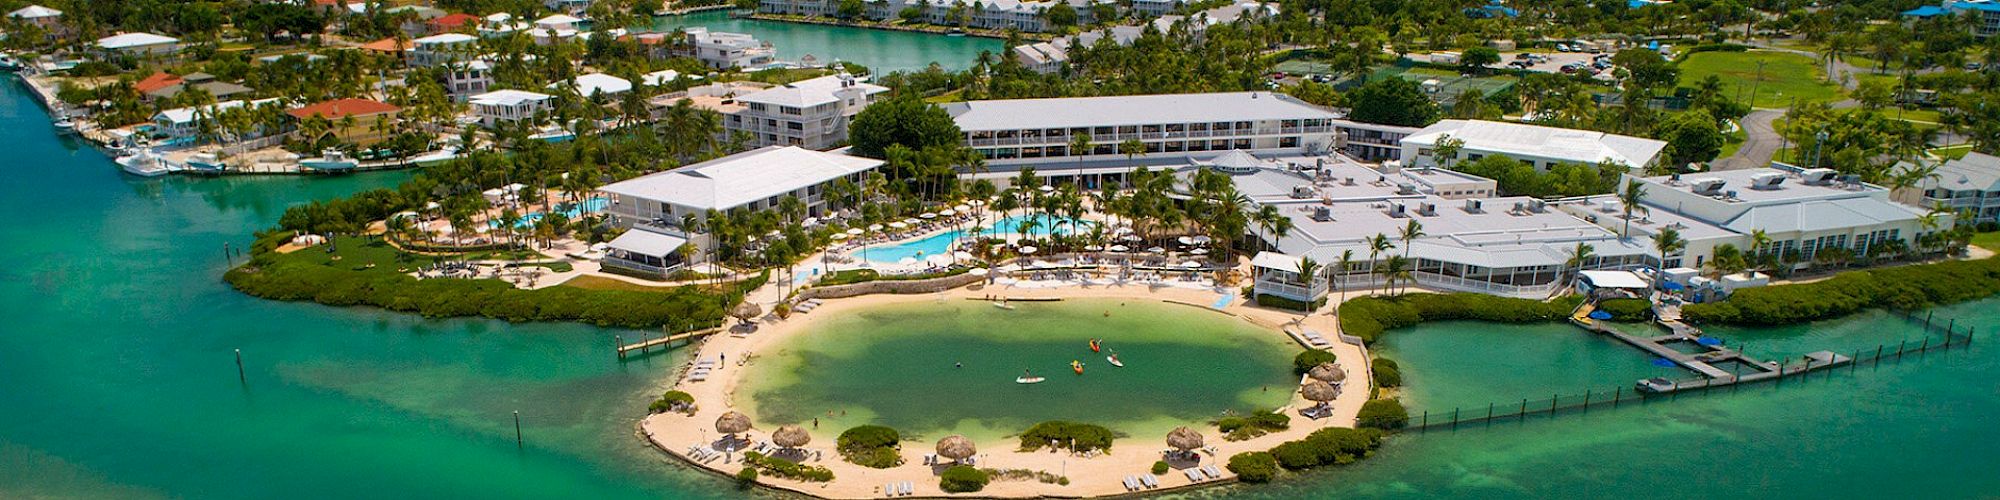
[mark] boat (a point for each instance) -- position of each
(1004, 305)
(1096, 345)
(954, 32)
(330, 160)
(1028, 378)
(65, 125)
(1113, 359)
(1076, 366)
(9, 63)
(203, 162)
(144, 163)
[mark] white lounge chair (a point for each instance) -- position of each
(1131, 484)
(888, 489)
(908, 489)
(1192, 475)
(1148, 481)
(1213, 473)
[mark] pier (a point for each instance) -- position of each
(664, 342)
(1706, 356)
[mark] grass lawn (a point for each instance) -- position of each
(1733, 142)
(952, 96)
(1989, 241)
(1786, 76)
(1952, 152)
(589, 282)
(352, 253)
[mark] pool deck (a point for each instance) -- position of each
(1102, 475)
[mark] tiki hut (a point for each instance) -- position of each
(1319, 392)
(746, 310)
(1184, 439)
(1329, 373)
(956, 448)
(791, 436)
(732, 423)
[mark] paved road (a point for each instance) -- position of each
(1760, 142)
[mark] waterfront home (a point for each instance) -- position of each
(597, 84)
(574, 7)
(812, 113)
(1027, 16)
(724, 50)
(507, 106)
(137, 44)
(390, 47)
(169, 88)
(555, 28)
(371, 120)
(1803, 212)
(466, 78)
(1970, 184)
(645, 252)
(500, 24)
(156, 81)
(1172, 128)
(1041, 57)
(440, 49)
(759, 179)
(1536, 145)
(46, 19)
(661, 77)
(452, 23)
(180, 125)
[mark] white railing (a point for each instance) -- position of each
(1469, 285)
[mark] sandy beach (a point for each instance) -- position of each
(1102, 475)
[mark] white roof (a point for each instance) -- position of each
(444, 38)
(1821, 215)
(34, 12)
(645, 242)
(742, 178)
(1614, 279)
(1275, 260)
(660, 77)
(1975, 172)
(558, 19)
(187, 115)
(599, 83)
(130, 40)
(508, 97)
(1017, 114)
(1579, 146)
(808, 93)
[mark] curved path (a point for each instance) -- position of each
(1760, 142)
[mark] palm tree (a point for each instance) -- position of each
(1578, 257)
(1396, 269)
(1307, 271)
(1630, 197)
(1376, 246)
(1411, 232)
(1079, 144)
(1132, 149)
(1341, 266)
(1668, 242)
(1760, 241)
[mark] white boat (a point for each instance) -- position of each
(330, 160)
(1004, 305)
(1113, 359)
(65, 125)
(1028, 380)
(205, 162)
(145, 163)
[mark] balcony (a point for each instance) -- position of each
(1294, 291)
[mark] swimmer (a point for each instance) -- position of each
(958, 365)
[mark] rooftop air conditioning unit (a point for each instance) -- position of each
(1766, 180)
(1607, 206)
(1538, 206)
(1518, 208)
(1392, 166)
(1322, 214)
(1427, 208)
(1729, 195)
(1397, 209)
(1473, 206)
(1302, 192)
(1707, 186)
(1349, 181)
(1818, 176)
(1406, 188)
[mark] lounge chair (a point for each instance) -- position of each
(1148, 481)
(888, 489)
(1192, 475)
(1131, 484)
(1213, 473)
(909, 488)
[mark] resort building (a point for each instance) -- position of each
(1988, 12)
(372, 120)
(442, 49)
(1041, 57)
(1803, 213)
(507, 106)
(1371, 141)
(137, 44)
(1472, 241)
(812, 114)
(1172, 128)
(598, 84)
(1536, 145)
(755, 180)
(1965, 185)
(723, 50)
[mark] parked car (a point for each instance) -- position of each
(1563, 47)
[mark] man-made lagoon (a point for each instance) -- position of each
(883, 51)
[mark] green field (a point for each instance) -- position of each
(1786, 76)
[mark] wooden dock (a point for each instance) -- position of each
(664, 342)
(1704, 362)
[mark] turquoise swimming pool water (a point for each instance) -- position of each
(573, 211)
(941, 243)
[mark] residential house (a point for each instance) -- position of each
(724, 50)
(444, 48)
(137, 44)
(46, 19)
(507, 106)
(168, 89)
(598, 84)
(358, 121)
(1987, 13)
(1966, 185)
(180, 126)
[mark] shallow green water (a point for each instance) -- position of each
(1470, 365)
(896, 365)
(880, 50)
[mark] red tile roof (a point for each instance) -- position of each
(453, 21)
(158, 81)
(386, 45)
(342, 108)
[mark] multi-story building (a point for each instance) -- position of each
(812, 114)
(441, 49)
(1539, 146)
(723, 50)
(1169, 129)
(1965, 185)
(468, 78)
(505, 106)
(1027, 16)
(47, 19)
(1371, 141)
(1988, 12)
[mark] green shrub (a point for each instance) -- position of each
(670, 400)
(1627, 309)
(1329, 446)
(1904, 288)
(962, 479)
(1277, 302)
(1296, 455)
(1254, 466)
(1368, 317)
(870, 446)
(1256, 423)
(747, 476)
(786, 469)
(1309, 358)
(1160, 468)
(1073, 435)
(1385, 414)
(1386, 375)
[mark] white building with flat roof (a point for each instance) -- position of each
(1969, 184)
(594, 84)
(758, 179)
(503, 106)
(812, 113)
(1172, 128)
(1537, 145)
(138, 44)
(1803, 212)
(442, 49)
(724, 50)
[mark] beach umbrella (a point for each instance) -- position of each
(732, 423)
(1663, 362)
(791, 436)
(1157, 250)
(911, 221)
(947, 212)
(839, 236)
(855, 232)
(1202, 240)
(1184, 439)
(1027, 250)
(874, 227)
(929, 215)
(746, 310)
(1328, 372)
(899, 224)
(1185, 240)
(962, 207)
(1319, 392)
(956, 448)
(1599, 314)
(1120, 248)
(1200, 251)
(1094, 248)
(1190, 264)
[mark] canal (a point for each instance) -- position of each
(883, 51)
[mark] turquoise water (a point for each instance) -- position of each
(570, 210)
(940, 243)
(880, 50)
(118, 378)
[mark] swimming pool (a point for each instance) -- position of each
(940, 243)
(572, 211)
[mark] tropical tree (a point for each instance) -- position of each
(1630, 197)
(1341, 266)
(1667, 242)
(1579, 256)
(1308, 270)
(1411, 231)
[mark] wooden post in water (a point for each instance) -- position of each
(1878, 355)
(240, 377)
(1586, 400)
(618, 343)
(518, 444)
(1617, 396)
(1489, 413)
(1524, 409)
(1899, 348)
(1426, 422)
(1553, 400)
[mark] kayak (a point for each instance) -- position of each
(1003, 305)
(1076, 366)
(1113, 359)
(1095, 345)
(1028, 380)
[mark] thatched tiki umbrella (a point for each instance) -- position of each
(1319, 392)
(791, 436)
(1184, 439)
(956, 448)
(1329, 373)
(746, 310)
(732, 423)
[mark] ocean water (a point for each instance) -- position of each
(883, 51)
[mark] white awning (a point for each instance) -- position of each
(1615, 279)
(645, 242)
(1275, 260)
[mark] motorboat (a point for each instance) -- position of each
(1003, 305)
(332, 160)
(1028, 378)
(204, 162)
(65, 125)
(144, 163)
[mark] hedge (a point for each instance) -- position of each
(671, 400)
(1368, 317)
(962, 479)
(1627, 309)
(1277, 302)
(787, 469)
(1385, 414)
(872, 446)
(1254, 466)
(1160, 468)
(1329, 446)
(1256, 423)
(1076, 436)
(1305, 360)
(1903, 288)
(1386, 374)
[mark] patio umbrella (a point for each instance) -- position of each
(1184, 439)
(874, 227)
(1200, 251)
(1157, 250)
(956, 448)
(1119, 248)
(1185, 240)
(977, 271)
(929, 215)
(1202, 240)
(1318, 392)
(961, 208)
(1028, 250)
(947, 212)
(1328, 372)
(855, 232)
(839, 236)
(1190, 264)
(732, 423)
(898, 225)
(1663, 362)
(746, 310)
(1094, 248)
(911, 221)
(791, 436)
(1600, 315)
